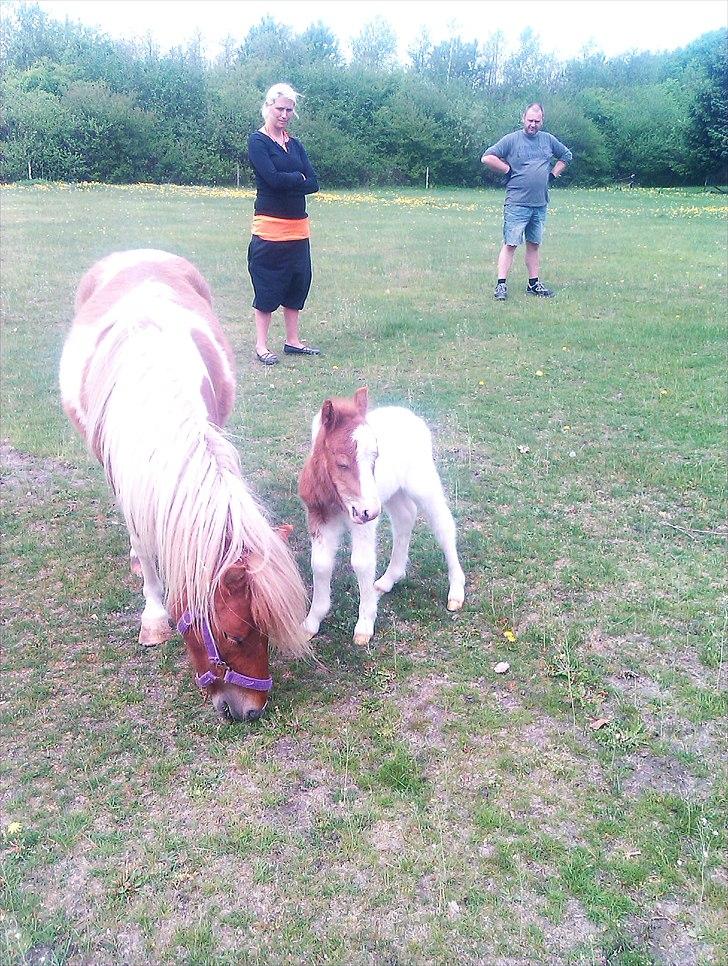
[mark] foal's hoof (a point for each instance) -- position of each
(156, 632)
(361, 640)
(134, 565)
(454, 603)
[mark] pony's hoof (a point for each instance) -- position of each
(135, 564)
(310, 628)
(158, 632)
(361, 640)
(383, 586)
(454, 603)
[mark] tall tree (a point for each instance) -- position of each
(267, 41)
(318, 45)
(376, 46)
(529, 69)
(708, 133)
(420, 52)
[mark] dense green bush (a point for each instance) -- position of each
(79, 106)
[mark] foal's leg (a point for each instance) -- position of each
(364, 564)
(402, 514)
(432, 501)
(323, 553)
(155, 627)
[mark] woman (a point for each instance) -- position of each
(279, 255)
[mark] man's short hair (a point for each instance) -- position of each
(537, 106)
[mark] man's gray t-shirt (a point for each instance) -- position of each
(530, 160)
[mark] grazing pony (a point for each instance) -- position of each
(147, 379)
(361, 461)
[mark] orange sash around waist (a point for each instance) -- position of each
(280, 229)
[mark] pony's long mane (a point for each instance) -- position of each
(177, 476)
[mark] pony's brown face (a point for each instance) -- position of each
(241, 645)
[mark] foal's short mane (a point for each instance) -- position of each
(339, 418)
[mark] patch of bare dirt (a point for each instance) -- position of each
(388, 836)
(424, 713)
(662, 775)
(670, 936)
(574, 931)
(23, 469)
(643, 651)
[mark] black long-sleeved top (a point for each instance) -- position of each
(278, 176)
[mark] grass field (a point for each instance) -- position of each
(402, 804)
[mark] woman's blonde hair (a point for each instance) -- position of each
(276, 91)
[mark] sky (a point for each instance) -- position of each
(564, 27)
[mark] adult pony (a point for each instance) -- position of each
(147, 378)
(360, 461)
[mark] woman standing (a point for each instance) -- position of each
(279, 255)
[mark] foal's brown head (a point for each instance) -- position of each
(339, 474)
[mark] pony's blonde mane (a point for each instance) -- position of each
(178, 482)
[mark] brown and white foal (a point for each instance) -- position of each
(360, 462)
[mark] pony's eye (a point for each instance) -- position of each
(235, 640)
(343, 464)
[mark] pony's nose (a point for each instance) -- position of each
(254, 714)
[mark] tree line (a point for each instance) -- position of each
(79, 106)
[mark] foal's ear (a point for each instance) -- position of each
(328, 414)
(361, 398)
(284, 531)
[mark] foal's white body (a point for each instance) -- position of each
(397, 472)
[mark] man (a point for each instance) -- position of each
(525, 157)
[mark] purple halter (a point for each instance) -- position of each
(213, 655)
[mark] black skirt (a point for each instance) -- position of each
(280, 272)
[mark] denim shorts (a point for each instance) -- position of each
(520, 220)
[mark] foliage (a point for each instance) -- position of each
(80, 106)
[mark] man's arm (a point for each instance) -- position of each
(493, 162)
(562, 154)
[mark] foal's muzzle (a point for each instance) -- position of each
(364, 514)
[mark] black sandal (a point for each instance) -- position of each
(301, 350)
(267, 358)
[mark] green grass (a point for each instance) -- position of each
(402, 803)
